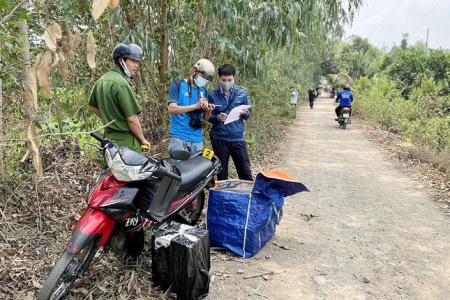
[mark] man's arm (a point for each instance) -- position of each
(96, 111)
(175, 109)
(245, 113)
(136, 129)
(208, 110)
(214, 116)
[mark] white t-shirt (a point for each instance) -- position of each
(294, 97)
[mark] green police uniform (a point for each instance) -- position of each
(113, 95)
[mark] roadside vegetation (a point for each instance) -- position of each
(51, 53)
(404, 90)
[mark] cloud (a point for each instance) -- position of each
(384, 21)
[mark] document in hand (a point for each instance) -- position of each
(235, 113)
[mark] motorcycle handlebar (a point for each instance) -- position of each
(97, 137)
(164, 172)
(161, 172)
(174, 176)
(103, 141)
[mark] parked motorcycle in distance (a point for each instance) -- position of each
(135, 193)
(344, 117)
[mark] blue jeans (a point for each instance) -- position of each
(178, 144)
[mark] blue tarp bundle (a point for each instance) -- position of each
(242, 215)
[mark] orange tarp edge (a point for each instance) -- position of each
(278, 174)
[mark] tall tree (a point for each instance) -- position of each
(404, 42)
(30, 90)
(1, 118)
(173, 34)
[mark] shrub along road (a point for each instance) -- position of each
(365, 230)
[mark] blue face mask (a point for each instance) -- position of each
(200, 81)
(125, 69)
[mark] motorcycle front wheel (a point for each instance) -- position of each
(66, 270)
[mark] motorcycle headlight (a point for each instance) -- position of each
(124, 172)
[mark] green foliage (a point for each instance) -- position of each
(356, 59)
(422, 118)
(273, 46)
(406, 90)
(408, 69)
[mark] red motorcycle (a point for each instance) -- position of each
(135, 193)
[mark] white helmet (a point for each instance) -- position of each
(205, 67)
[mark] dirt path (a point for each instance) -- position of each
(364, 231)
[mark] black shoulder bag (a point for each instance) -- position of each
(196, 123)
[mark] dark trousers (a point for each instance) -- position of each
(338, 110)
(238, 152)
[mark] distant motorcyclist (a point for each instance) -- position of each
(345, 99)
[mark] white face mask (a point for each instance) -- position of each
(125, 69)
(226, 85)
(200, 81)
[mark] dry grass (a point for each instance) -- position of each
(36, 220)
(37, 217)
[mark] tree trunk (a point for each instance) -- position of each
(201, 21)
(31, 104)
(164, 59)
(58, 113)
(1, 121)
(23, 28)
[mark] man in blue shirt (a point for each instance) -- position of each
(345, 99)
(228, 139)
(188, 106)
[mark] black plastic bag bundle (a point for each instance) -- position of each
(181, 260)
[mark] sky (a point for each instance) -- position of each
(383, 22)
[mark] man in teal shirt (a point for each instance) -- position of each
(113, 99)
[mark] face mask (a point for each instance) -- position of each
(226, 85)
(200, 81)
(125, 69)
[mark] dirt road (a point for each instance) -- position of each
(364, 231)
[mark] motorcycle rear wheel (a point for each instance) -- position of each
(66, 270)
(344, 125)
(193, 211)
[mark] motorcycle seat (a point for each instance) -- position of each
(192, 171)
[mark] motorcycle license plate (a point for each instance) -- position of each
(346, 115)
(208, 153)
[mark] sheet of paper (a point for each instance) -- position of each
(235, 113)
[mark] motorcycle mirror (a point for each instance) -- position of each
(180, 155)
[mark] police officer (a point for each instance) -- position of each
(113, 99)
